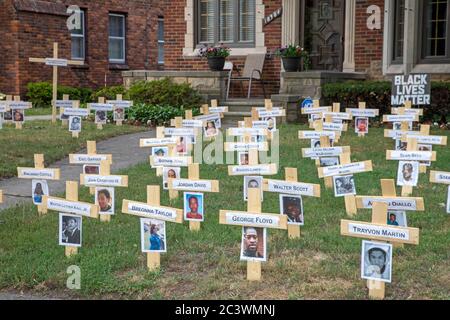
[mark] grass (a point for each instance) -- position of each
(205, 265)
(56, 142)
(38, 112)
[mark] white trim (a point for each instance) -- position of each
(189, 39)
(118, 38)
(349, 40)
(411, 48)
(82, 36)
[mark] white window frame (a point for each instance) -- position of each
(412, 50)
(118, 38)
(161, 42)
(83, 36)
(190, 50)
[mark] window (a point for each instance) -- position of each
(160, 40)
(399, 31)
(78, 37)
(231, 22)
(117, 38)
(436, 30)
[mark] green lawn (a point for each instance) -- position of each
(56, 142)
(38, 112)
(205, 265)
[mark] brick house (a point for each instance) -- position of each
(114, 36)
(150, 39)
(347, 39)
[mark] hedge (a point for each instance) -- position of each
(164, 92)
(40, 94)
(377, 94)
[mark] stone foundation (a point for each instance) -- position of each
(296, 86)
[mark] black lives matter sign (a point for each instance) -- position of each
(414, 87)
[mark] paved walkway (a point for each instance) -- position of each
(124, 149)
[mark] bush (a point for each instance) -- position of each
(164, 92)
(377, 94)
(157, 115)
(109, 93)
(40, 94)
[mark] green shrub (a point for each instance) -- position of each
(158, 115)
(164, 92)
(40, 94)
(377, 94)
(109, 93)
(82, 94)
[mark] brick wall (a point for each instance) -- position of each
(9, 48)
(175, 42)
(36, 30)
(368, 43)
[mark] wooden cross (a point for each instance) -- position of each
(215, 108)
(120, 104)
(254, 122)
(336, 114)
(379, 229)
(192, 184)
(63, 104)
(56, 62)
(315, 110)
(19, 105)
(327, 124)
(90, 158)
(4, 106)
(172, 160)
(407, 109)
(159, 141)
(291, 186)
(345, 168)
(362, 112)
(325, 142)
(412, 154)
(269, 111)
(253, 167)
(402, 117)
(1, 196)
(246, 133)
(71, 108)
(439, 177)
(104, 179)
(253, 218)
(71, 205)
(101, 106)
(423, 137)
(39, 172)
(153, 210)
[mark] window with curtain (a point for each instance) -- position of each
(399, 31)
(117, 38)
(436, 30)
(231, 22)
(78, 37)
(160, 40)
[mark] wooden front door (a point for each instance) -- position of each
(323, 29)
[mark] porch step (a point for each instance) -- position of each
(238, 109)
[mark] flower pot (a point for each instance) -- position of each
(216, 63)
(291, 64)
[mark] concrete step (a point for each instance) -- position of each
(243, 106)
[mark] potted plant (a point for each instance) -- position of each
(292, 57)
(216, 56)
